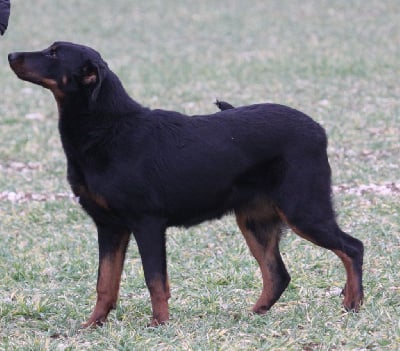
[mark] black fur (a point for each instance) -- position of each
(138, 170)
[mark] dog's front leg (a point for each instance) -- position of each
(113, 243)
(150, 237)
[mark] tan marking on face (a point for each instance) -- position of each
(53, 86)
(65, 80)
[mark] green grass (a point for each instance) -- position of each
(337, 61)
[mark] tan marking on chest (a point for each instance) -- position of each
(99, 200)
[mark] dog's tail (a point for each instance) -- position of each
(223, 105)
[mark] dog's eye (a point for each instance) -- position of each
(52, 53)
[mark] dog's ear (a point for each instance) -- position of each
(91, 78)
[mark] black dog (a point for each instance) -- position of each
(139, 171)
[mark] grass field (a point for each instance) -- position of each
(335, 60)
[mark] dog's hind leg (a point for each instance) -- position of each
(150, 238)
(327, 234)
(310, 214)
(113, 243)
(261, 227)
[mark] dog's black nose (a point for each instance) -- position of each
(12, 56)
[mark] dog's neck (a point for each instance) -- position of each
(112, 100)
(112, 110)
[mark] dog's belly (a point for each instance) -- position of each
(201, 207)
(212, 198)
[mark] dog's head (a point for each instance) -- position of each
(64, 68)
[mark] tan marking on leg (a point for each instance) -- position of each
(353, 295)
(267, 260)
(108, 283)
(293, 227)
(159, 295)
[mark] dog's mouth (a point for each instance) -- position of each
(21, 69)
(28, 76)
(17, 64)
